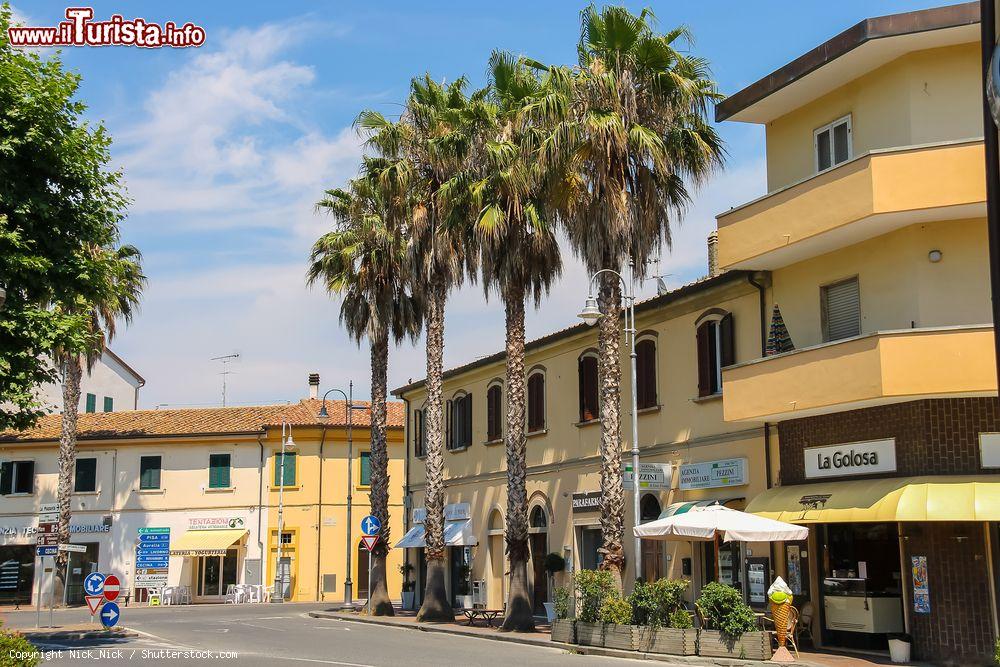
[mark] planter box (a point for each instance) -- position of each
(623, 637)
(672, 641)
(750, 646)
(589, 634)
(408, 599)
(564, 630)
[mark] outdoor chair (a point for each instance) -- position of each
(790, 631)
(804, 627)
(702, 621)
(232, 596)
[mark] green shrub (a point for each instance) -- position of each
(680, 619)
(592, 587)
(653, 603)
(616, 610)
(725, 610)
(16, 651)
(562, 599)
(554, 563)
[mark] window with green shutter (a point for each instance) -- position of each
(218, 471)
(149, 472)
(109, 404)
(85, 478)
(289, 469)
(91, 403)
(366, 468)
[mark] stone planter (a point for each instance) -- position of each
(564, 630)
(589, 634)
(750, 646)
(623, 637)
(673, 641)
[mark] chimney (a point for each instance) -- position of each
(713, 254)
(314, 385)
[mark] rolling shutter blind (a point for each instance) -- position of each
(841, 310)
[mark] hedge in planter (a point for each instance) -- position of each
(592, 588)
(616, 614)
(731, 626)
(659, 606)
(564, 627)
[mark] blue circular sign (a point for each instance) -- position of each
(94, 583)
(370, 525)
(110, 613)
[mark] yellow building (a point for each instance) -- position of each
(874, 237)
(205, 478)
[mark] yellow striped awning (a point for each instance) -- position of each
(927, 498)
(206, 542)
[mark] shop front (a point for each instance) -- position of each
(213, 549)
(459, 539)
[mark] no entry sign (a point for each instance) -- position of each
(112, 586)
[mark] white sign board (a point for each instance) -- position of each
(48, 508)
(74, 548)
(853, 458)
(714, 474)
(652, 476)
(989, 450)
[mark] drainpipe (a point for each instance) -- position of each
(260, 508)
(319, 519)
(407, 499)
(987, 28)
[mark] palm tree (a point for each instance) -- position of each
(114, 285)
(631, 137)
(364, 261)
(501, 190)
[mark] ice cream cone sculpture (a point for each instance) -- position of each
(780, 596)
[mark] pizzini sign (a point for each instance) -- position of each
(855, 458)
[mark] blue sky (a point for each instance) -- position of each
(227, 147)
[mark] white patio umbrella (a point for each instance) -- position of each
(705, 523)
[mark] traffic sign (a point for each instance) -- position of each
(47, 539)
(48, 508)
(48, 517)
(370, 525)
(110, 614)
(93, 602)
(47, 527)
(93, 584)
(75, 548)
(154, 531)
(369, 541)
(111, 587)
(46, 550)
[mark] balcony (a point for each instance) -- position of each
(868, 196)
(872, 369)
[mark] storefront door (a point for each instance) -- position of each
(590, 539)
(540, 589)
(214, 575)
(17, 574)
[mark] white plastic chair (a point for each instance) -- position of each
(253, 594)
(232, 596)
(168, 595)
(185, 595)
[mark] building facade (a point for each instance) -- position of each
(109, 385)
(199, 484)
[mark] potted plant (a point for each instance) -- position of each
(730, 626)
(616, 614)
(659, 607)
(899, 646)
(463, 592)
(553, 563)
(592, 588)
(563, 627)
(409, 587)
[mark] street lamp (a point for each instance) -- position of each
(323, 414)
(590, 314)
(279, 576)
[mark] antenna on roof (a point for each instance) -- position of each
(661, 284)
(225, 360)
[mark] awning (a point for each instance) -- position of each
(927, 498)
(682, 507)
(456, 534)
(712, 521)
(206, 542)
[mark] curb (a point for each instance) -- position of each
(442, 628)
(77, 635)
(673, 659)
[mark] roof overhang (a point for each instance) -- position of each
(858, 50)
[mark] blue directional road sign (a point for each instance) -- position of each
(49, 550)
(110, 614)
(370, 525)
(94, 583)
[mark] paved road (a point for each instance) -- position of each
(286, 635)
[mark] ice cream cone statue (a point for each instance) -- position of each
(780, 596)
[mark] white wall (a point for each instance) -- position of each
(108, 378)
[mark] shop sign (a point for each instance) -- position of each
(989, 450)
(855, 458)
(652, 476)
(714, 474)
(586, 502)
(28, 531)
(452, 512)
(215, 523)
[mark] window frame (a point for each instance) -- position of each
(90, 403)
(824, 315)
(649, 338)
(229, 471)
(530, 427)
(109, 404)
(159, 469)
(76, 471)
(278, 453)
(850, 143)
(362, 455)
(721, 336)
(420, 432)
(459, 435)
(587, 415)
(494, 413)
(14, 477)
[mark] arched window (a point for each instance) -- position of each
(716, 349)
(419, 433)
(494, 412)
(587, 376)
(649, 508)
(496, 523)
(645, 373)
(536, 401)
(538, 518)
(460, 421)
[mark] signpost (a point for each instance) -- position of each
(370, 526)
(73, 548)
(152, 557)
(110, 614)
(47, 544)
(93, 602)
(111, 587)
(369, 541)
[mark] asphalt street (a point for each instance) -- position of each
(285, 634)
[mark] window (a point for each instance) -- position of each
(587, 379)
(91, 403)
(649, 508)
(538, 518)
(460, 421)
(536, 402)
(840, 309)
(17, 477)
(219, 471)
(645, 373)
(365, 465)
(289, 459)
(833, 143)
(109, 404)
(85, 476)
(716, 349)
(494, 413)
(149, 472)
(286, 538)
(419, 433)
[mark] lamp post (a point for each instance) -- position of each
(279, 577)
(350, 407)
(590, 314)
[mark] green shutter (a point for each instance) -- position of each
(149, 472)
(91, 403)
(109, 404)
(218, 471)
(289, 469)
(85, 477)
(366, 468)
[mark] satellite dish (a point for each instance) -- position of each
(661, 286)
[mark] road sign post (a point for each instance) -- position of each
(93, 586)
(371, 525)
(110, 613)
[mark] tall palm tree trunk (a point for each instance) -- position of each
(519, 616)
(435, 606)
(72, 376)
(380, 604)
(609, 367)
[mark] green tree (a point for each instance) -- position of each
(630, 136)
(364, 261)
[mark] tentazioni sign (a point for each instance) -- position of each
(854, 458)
